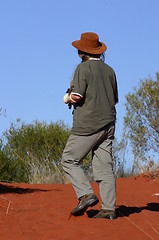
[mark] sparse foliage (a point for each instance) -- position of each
(2, 112)
(142, 120)
(118, 161)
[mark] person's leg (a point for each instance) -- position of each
(103, 171)
(76, 149)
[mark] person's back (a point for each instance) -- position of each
(96, 82)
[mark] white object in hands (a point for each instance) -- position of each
(67, 98)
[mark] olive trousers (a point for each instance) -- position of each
(76, 149)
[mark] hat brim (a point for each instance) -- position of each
(98, 50)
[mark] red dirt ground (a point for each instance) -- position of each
(42, 212)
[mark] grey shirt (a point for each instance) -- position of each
(96, 82)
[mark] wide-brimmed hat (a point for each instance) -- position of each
(90, 43)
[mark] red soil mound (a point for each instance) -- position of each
(42, 212)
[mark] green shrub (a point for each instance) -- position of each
(32, 152)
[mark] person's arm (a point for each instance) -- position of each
(114, 86)
(76, 98)
(78, 87)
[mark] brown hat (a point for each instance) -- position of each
(89, 43)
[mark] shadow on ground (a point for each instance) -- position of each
(4, 189)
(124, 211)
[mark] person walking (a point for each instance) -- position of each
(94, 95)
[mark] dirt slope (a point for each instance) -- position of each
(42, 212)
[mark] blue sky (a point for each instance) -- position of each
(37, 59)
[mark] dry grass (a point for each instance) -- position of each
(154, 174)
(42, 170)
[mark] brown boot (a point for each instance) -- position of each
(88, 200)
(104, 213)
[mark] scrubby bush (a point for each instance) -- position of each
(32, 152)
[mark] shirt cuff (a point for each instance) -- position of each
(78, 94)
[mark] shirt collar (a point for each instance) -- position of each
(94, 58)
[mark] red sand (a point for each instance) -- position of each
(42, 212)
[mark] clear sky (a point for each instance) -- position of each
(37, 59)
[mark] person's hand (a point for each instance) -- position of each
(67, 98)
